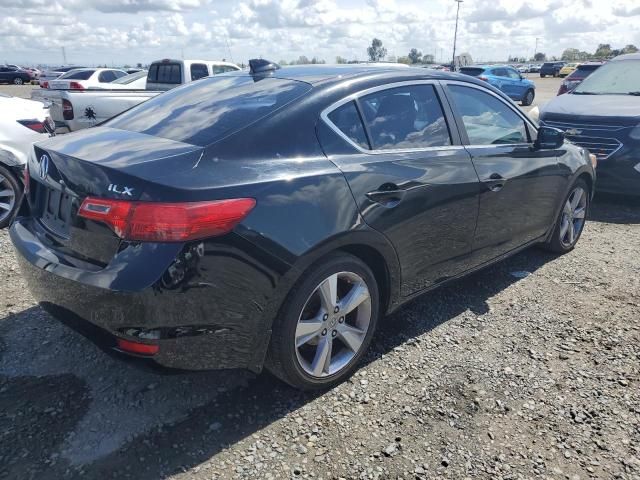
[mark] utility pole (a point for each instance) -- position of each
(455, 37)
(535, 51)
(64, 56)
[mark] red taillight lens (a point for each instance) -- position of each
(45, 84)
(137, 348)
(167, 222)
(67, 109)
(35, 125)
(483, 78)
(75, 86)
(26, 178)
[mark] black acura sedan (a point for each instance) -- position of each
(272, 217)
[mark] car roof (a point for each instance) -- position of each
(628, 56)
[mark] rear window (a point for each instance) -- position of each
(203, 112)
(165, 73)
(79, 75)
(474, 72)
(199, 70)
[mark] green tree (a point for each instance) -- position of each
(405, 60)
(415, 56)
(540, 57)
(630, 49)
(340, 60)
(603, 51)
(376, 51)
(571, 54)
(428, 58)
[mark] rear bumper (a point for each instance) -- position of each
(212, 318)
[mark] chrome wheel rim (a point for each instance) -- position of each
(530, 97)
(573, 217)
(333, 324)
(18, 81)
(7, 198)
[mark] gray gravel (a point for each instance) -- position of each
(529, 369)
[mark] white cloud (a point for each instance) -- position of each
(131, 31)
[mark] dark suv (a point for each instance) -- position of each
(578, 75)
(14, 75)
(602, 114)
(551, 69)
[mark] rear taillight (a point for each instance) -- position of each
(45, 85)
(35, 125)
(483, 78)
(67, 109)
(167, 222)
(137, 347)
(76, 86)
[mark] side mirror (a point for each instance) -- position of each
(549, 138)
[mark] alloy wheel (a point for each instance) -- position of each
(573, 217)
(7, 198)
(333, 324)
(18, 81)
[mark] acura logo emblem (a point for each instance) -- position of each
(44, 167)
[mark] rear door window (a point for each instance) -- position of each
(79, 75)
(347, 119)
(203, 112)
(473, 71)
(405, 118)
(107, 76)
(487, 120)
(199, 70)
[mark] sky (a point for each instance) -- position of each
(119, 32)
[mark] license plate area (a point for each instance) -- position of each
(55, 211)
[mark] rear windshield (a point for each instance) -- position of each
(165, 73)
(127, 79)
(203, 112)
(79, 75)
(473, 71)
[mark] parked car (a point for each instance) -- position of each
(22, 122)
(167, 74)
(48, 75)
(14, 75)
(551, 69)
(602, 114)
(133, 81)
(568, 69)
(535, 68)
(579, 74)
(83, 78)
(507, 79)
(271, 217)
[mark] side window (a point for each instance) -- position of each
(405, 117)
(487, 120)
(348, 121)
(198, 70)
(513, 74)
(119, 74)
(499, 72)
(106, 76)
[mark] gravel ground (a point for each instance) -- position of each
(528, 369)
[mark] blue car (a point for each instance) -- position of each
(507, 79)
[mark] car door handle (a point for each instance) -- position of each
(495, 182)
(388, 195)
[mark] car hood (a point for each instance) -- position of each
(623, 107)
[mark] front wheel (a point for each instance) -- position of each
(528, 98)
(326, 324)
(542, 76)
(571, 221)
(10, 194)
(18, 81)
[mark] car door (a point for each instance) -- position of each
(4, 74)
(516, 87)
(520, 184)
(410, 176)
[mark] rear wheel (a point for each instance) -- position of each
(571, 220)
(542, 76)
(10, 193)
(18, 81)
(528, 98)
(326, 324)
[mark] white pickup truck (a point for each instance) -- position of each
(76, 109)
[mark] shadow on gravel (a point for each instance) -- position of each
(608, 208)
(234, 415)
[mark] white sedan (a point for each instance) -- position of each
(22, 122)
(83, 78)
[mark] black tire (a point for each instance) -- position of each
(528, 98)
(282, 358)
(555, 243)
(18, 81)
(542, 76)
(9, 182)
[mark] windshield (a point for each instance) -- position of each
(77, 75)
(127, 79)
(203, 112)
(614, 78)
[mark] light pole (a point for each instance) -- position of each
(455, 37)
(535, 51)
